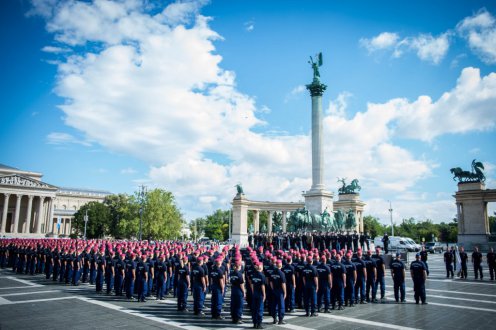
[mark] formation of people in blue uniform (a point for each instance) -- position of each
(263, 279)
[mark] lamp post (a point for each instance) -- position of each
(229, 214)
(391, 215)
(142, 199)
(85, 223)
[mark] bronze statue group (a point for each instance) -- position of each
(314, 275)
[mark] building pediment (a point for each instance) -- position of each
(16, 180)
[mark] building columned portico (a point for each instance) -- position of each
(32, 208)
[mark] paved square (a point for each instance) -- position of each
(31, 302)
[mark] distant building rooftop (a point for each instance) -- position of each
(78, 191)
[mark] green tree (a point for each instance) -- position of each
(99, 220)
(161, 217)
(492, 224)
(216, 225)
(124, 217)
(373, 226)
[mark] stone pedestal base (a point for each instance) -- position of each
(470, 241)
(240, 239)
(317, 201)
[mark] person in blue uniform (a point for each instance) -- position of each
(351, 277)
(371, 288)
(100, 271)
(398, 274)
(477, 262)
(160, 276)
(141, 278)
(361, 279)
(311, 286)
(338, 272)
(130, 276)
(217, 298)
(448, 261)
(380, 280)
(237, 293)
(109, 271)
(325, 283)
(289, 273)
(257, 284)
(199, 284)
(150, 264)
(299, 265)
(183, 284)
(120, 269)
(419, 275)
(278, 286)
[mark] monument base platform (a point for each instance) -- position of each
(469, 241)
(240, 239)
(316, 201)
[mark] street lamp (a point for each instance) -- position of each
(85, 223)
(142, 199)
(391, 215)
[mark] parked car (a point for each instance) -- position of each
(434, 247)
(397, 243)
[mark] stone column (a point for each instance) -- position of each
(269, 222)
(28, 215)
(240, 220)
(256, 221)
(284, 221)
(17, 211)
(50, 213)
(40, 215)
(4, 213)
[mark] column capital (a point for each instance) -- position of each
(30, 196)
(7, 195)
(19, 195)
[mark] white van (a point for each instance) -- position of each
(397, 243)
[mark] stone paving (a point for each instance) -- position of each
(31, 302)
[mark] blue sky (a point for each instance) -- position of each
(197, 96)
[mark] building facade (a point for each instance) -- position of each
(32, 208)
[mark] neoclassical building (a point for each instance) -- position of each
(32, 208)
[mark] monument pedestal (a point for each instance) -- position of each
(352, 201)
(239, 232)
(316, 201)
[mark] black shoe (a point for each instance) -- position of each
(307, 315)
(363, 302)
(403, 301)
(327, 311)
(260, 326)
(282, 322)
(424, 303)
(417, 302)
(315, 314)
(340, 308)
(351, 305)
(274, 322)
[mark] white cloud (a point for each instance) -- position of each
(295, 93)
(384, 40)
(58, 138)
(249, 26)
(338, 107)
(480, 32)
(55, 50)
(469, 106)
(428, 48)
(128, 170)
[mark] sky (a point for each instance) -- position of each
(197, 96)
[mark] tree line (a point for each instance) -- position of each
(119, 216)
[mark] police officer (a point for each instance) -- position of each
(419, 275)
(278, 286)
(398, 274)
(311, 286)
(257, 285)
(183, 284)
(491, 262)
(109, 271)
(199, 285)
(325, 284)
(150, 264)
(289, 273)
(119, 268)
(477, 262)
(160, 276)
(338, 283)
(237, 292)
(141, 278)
(130, 276)
(423, 258)
(385, 240)
(371, 288)
(463, 261)
(381, 270)
(351, 276)
(100, 271)
(218, 283)
(361, 278)
(448, 260)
